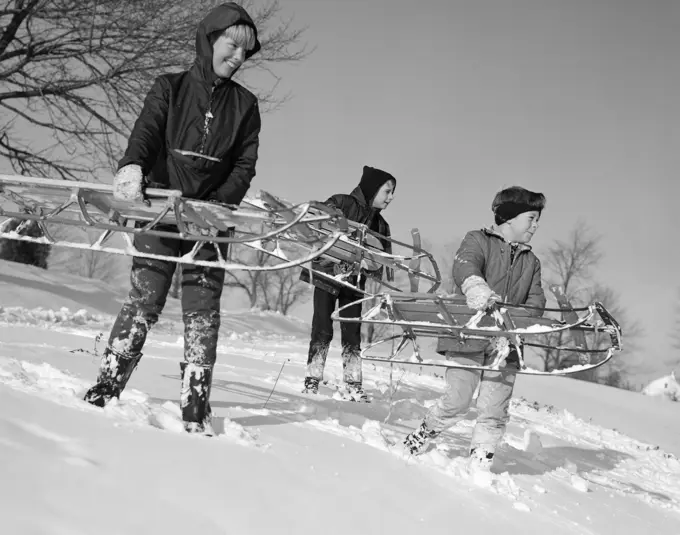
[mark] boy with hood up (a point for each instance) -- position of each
(492, 264)
(198, 132)
(364, 205)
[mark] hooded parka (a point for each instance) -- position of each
(196, 112)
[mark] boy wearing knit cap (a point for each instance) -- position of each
(492, 264)
(364, 205)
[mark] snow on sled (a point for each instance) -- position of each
(289, 234)
(588, 333)
(360, 244)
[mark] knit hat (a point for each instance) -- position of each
(513, 201)
(372, 180)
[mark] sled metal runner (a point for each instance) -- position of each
(166, 214)
(429, 315)
(348, 252)
(350, 249)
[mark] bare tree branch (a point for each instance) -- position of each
(97, 265)
(277, 291)
(248, 281)
(569, 264)
(74, 73)
(673, 360)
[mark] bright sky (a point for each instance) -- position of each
(459, 98)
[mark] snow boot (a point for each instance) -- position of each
(355, 392)
(481, 458)
(311, 386)
(416, 441)
(114, 373)
(195, 398)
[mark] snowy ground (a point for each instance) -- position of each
(579, 458)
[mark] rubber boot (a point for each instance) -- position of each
(114, 373)
(195, 398)
(416, 441)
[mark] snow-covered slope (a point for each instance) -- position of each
(666, 387)
(579, 458)
(41, 297)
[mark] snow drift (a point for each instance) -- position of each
(578, 457)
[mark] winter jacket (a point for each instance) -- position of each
(513, 272)
(196, 111)
(356, 208)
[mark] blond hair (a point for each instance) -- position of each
(242, 34)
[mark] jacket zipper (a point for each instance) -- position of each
(207, 120)
(513, 257)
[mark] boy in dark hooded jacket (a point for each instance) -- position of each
(491, 264)
(364, 205)
(198, 132)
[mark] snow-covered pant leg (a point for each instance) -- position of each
(150, 282)
(493, 400)
(322, 333)
(455, 402)
(201, 294)
(493, 404)
(350, 338)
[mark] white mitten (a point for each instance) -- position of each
(127, 184)
(478, 294)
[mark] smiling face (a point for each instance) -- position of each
(384, 196)
(522, 228)
(230, 48)
(228, 56)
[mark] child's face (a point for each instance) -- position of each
(384, 196)
(522, 228)
(227, 56)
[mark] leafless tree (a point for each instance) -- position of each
(282, 289)
(569, 264)
(616, 371)
(74, 73)
(673, 359)
(268, 290)
(98, 265)
(249, 282)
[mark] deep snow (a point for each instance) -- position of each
(579, 458)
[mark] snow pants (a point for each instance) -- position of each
(322, 335)
(493, 400)
(151, 280)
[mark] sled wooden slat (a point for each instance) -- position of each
(431, 316)
(428, 315)
(166, 214)
(351, 250)
(313, 227)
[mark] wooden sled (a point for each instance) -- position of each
(353, 247)
(421, 315)
(274, 231)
